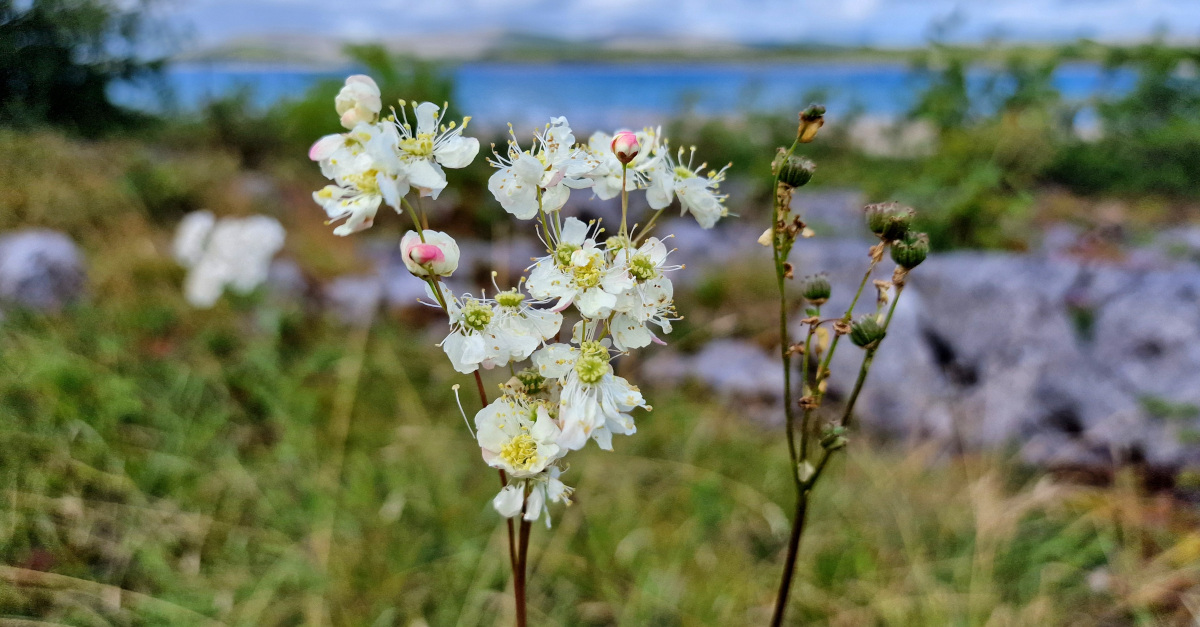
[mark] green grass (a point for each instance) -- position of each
(252, 466)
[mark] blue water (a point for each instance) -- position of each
(610, 95)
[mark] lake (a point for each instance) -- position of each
(595, 95)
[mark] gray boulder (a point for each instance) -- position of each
(40, 269)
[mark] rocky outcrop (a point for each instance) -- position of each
(40, 269)
(1078, 364)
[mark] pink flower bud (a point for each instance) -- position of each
(625, 146)
(426, 253)
(437, 255)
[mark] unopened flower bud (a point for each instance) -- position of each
(816, 289)
(358, 101)
(833, 438)
(437, 255)
(866, 332)
(811, 120)
(888, 220)
(796, 171)
(909, 251)
(625, 145)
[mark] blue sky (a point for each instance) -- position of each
(876, 22)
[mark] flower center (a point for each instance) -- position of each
(642, 268)
(419, 146)
(365, 182)
(563, 253)
(476, 315)
(592, 364)
(520, 453)
(532, 381)
(587, 276)
(683, 173)
(616, 243)
(510, 299)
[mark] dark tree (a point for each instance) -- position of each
(58, 58)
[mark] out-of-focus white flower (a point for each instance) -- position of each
(421, 153)
(191, 236)
(594, 403)
(358, 101)
(607, 176)
(698, 194)
(579, 272)
(437, 254)
(648, 301)
(518, 435)
(490, 333)
(550, 169)
(231, 252)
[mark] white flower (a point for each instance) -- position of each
(523, 328)
(421, 154)
(579, 272)
(191, 236)
(362, 182)
(517, 435)
(491, 333)
(437, 253)
(607, 176)
(649, 300)
(544, 488)
(594, 402)
(231, 252)
(698, 194)
(551, 169)
(358, 101)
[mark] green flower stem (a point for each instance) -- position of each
(789, 564)
(785, 352)
(483, 401)
(645, 230)
(624, 202)
(868, 358)
(846, 318)
(805, 420)
(412, 213)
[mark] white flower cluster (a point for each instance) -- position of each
(381, 159)
(615, 288)
(230, 252)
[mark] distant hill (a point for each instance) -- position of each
(507, 46)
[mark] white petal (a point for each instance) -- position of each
(554, 198)
(426, 114)
(535, 503)
(574, 231)
(555, 361)
(457, 151)
(508, 502)
(595, 303)
(426, 175)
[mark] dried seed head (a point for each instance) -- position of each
(866, 332)
(909, 251)
(796, 171)
(816, 289)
